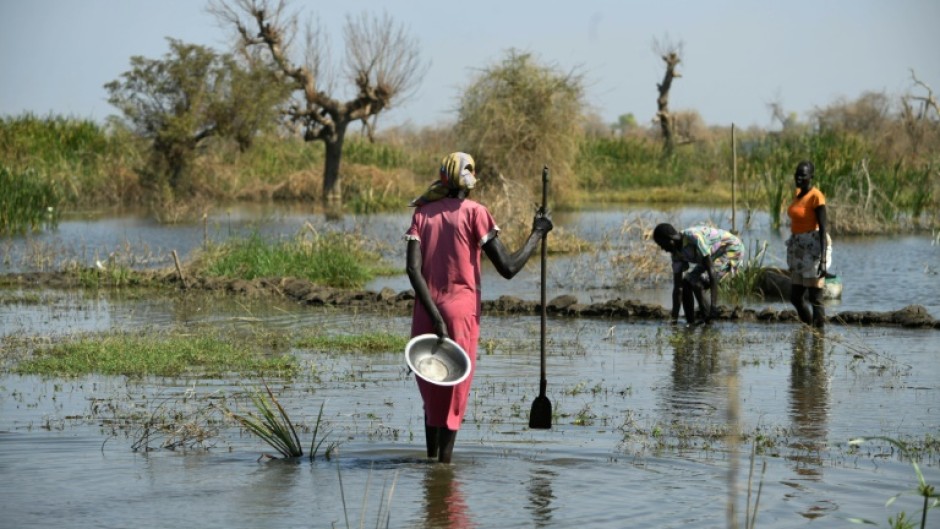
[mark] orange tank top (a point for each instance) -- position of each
(802, 211)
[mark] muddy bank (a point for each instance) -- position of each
(566, 305)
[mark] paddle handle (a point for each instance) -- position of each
(544, 274)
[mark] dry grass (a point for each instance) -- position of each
(640, 260)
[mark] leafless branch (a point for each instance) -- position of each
(929, 101)
(671, 54)
(382, 61)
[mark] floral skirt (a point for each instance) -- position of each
(803, 252)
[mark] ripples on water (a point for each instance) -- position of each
(637, 440)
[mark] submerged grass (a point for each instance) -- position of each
(173, 423)
(201, 352)
(139, 355)
(370, 342)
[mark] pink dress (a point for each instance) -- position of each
(452, 233)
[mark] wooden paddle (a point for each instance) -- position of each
(541, 414)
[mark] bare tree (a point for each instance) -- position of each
(788, 120)
(382, 63)
(918, 124)
(927, 101)
(671, 54)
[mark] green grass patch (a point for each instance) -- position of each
(376, 342)
(338, 260)
(140, 355)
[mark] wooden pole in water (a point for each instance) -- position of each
(734, 178)
(179, 269)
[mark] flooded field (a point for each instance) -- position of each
(880, 273)
(641, 437)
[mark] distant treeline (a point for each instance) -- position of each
(880, 172)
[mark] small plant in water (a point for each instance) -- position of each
(585, 416)
(274, 427)
(924, 490)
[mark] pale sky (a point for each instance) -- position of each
(739, 55)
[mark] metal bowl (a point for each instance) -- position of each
(443, 363)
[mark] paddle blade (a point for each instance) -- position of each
(540, 417)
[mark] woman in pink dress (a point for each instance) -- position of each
(445, 239)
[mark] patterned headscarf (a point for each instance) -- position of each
(456, 175)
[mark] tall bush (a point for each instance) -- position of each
(518, 116)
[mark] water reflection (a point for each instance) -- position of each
(445, 506)
(541, 496)
(809, 401)
(695, 364)
(695, 359)
(270, 487)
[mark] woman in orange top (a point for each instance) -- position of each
(809, 248)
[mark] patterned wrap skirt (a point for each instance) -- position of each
(803, 252)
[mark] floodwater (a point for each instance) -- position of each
(638, 438)
(880, 273)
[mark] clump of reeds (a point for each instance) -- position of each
(91, 166)
(631, 168)
(746, 280)
(29, 201)
(867, 203)
(273, 425)
(775, 188)
(379, 187)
